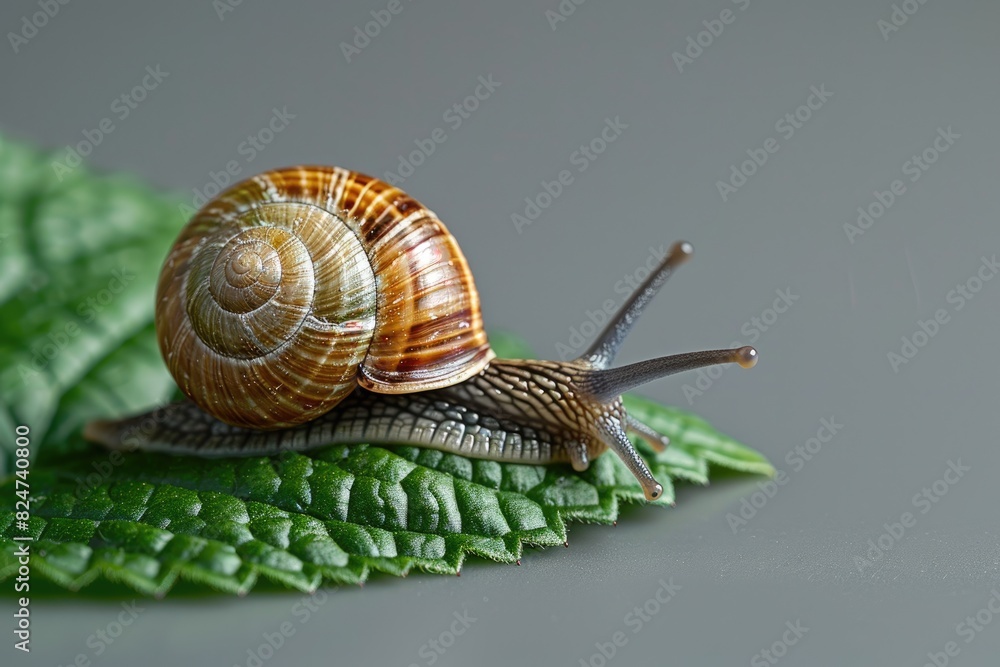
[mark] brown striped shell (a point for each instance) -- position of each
(294, 286)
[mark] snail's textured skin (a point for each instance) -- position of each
(512, 411)
(294, 286)
(336, 308)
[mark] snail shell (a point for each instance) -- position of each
(295, 286)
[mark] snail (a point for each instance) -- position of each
(312, 306)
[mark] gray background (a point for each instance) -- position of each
(825, 357)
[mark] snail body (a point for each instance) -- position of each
(311, 306)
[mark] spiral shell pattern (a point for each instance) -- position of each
(295, 286)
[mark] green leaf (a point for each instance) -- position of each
(80, 258)
(693, 436)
